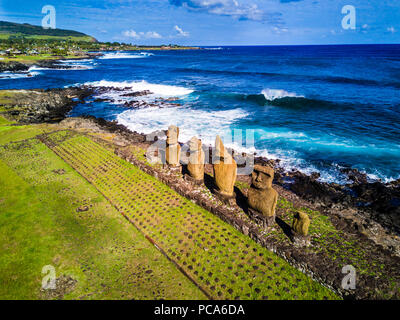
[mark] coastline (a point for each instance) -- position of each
(23, 64)
(349, 222)
(372, 201)
(20, 65)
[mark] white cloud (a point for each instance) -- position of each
(181, 32)
(280, 30)
(131, 34)
(223, 7)
(152, 35)
(142, 35)
(391, 29)
(365, 26)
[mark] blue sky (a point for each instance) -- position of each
(217, 22)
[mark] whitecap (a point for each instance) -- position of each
(124, 55)
(190, 121)
(18, 75)
(158, 90)
(272, 94)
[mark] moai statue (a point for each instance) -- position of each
(173, 149)
(301, 223)
(225, 171)
(196, 161)
(262, 198)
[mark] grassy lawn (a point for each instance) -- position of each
(223, 261)
(106, 257)
(34, 58)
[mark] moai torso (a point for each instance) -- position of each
(173, 149)
(261, 196)
(225, 170)
(196, 159)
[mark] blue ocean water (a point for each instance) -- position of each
(318, 108)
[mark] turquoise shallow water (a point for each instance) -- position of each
(319, 108)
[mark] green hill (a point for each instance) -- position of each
(25, 30)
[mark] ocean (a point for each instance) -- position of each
(317, 108)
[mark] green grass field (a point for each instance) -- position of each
(40, 225)
(42, 184)
(223, 261)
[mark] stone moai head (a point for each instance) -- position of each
(195, 144)
(301, 222)
(172, 135)
(262, 177)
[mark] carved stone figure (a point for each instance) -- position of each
(301, 223)
(173, 150)
(196, 160)
(225, 171)
(262, 198)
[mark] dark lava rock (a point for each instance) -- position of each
(354, 175)
(137, 94)
(63, 286)
(13, 66)
(82, 209)
(37, 106)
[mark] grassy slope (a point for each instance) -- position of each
(39, 226)
(5, 36)
(226, 263)
(12, 29)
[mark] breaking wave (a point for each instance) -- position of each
(159, 90)
(124, 55)
(19, 75)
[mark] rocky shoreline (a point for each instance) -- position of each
(38, 106)
(320, 196)
(16, 66)
(361, 210)
(316, 262)
(368, 202)
(374, 201)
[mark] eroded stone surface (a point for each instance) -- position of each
(196, 159)
(173, 149)
(225, 170)
(262, 198)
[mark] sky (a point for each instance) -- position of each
(218, 22)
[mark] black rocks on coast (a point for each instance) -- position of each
(36, 106)
(376, 200)
(13, 66)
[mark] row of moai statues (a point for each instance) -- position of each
(262, 197)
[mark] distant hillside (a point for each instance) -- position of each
(9, 29)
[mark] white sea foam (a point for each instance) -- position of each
(272, 94)
(158, 90)
(84, 64)
(197, 123)
(65, 65)
(124, 55)
(191, 122)
(376, 176)
(18, 75)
